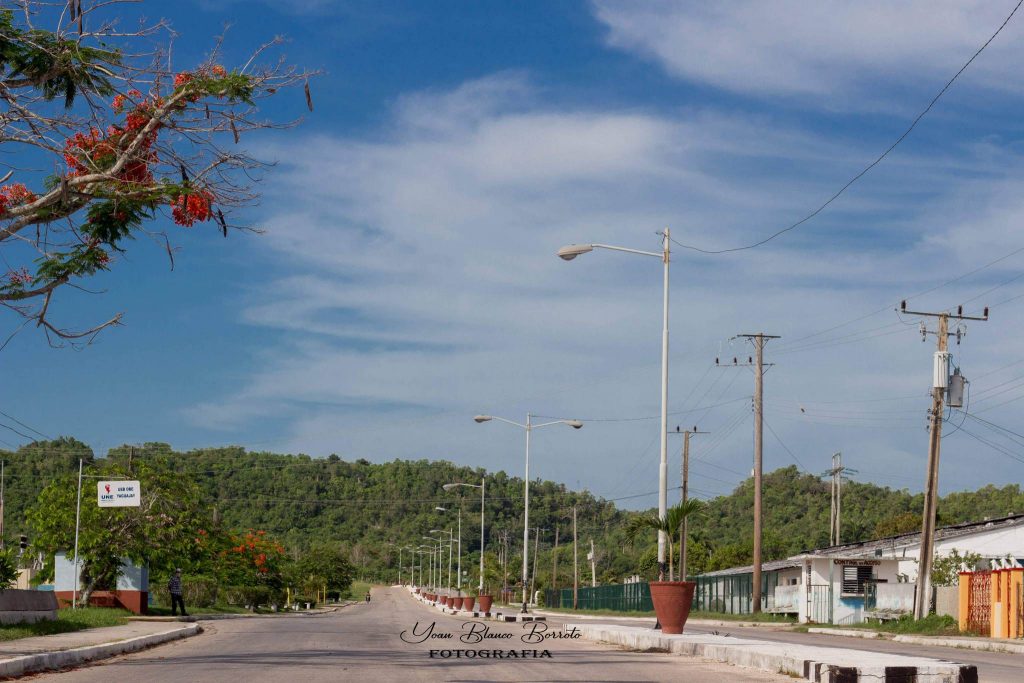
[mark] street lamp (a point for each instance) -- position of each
(570, 252)
(434, 553)
(482, 487)
(450, 544)
(458, 554)
(422, 550)
(529, 427)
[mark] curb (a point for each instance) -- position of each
(935, 641)
(19, 666)
(819, 664)
(849, 632)
(963, 643)
(647, 620)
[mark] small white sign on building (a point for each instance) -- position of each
(118, 494)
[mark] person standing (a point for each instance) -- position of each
(174, 588)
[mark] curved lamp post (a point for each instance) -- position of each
(529, 427)
(570, 252)
(481, 486)
(458, 552)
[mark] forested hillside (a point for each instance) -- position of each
(373, 509)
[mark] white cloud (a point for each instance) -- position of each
(838, 53)
(419, 285)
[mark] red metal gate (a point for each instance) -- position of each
(979, 603)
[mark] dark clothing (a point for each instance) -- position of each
(176, 600)
(174, 588)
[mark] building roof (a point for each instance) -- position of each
(867, 549)
(911, 539)
(774, 566)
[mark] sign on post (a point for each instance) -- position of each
(118, 494)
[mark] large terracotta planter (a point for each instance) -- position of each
(672, 601)
(467, 603)
(448, 600)
(485, 602)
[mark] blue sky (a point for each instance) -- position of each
(407, 278)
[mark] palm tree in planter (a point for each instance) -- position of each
(672, 599)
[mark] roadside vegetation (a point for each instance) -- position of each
(932, 625)
(68, 620)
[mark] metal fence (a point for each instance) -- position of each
(620, 597)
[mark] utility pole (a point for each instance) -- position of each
(575, 565)
(593, 566)
(685, 466)
(758, 340)
(536, 545)
(2, 463)
(940, 383)
(836, 511)
(554, 561)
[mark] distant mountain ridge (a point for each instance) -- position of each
(367, 506)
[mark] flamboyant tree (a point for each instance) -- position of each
(124, 136)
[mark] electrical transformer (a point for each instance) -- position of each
(956, 389)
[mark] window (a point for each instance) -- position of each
(854, 578)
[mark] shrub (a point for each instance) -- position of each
(8, 569)
(252, 596)
(197, 592)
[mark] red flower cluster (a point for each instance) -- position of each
(19, 277)
(191, 207)
(13, 195)
(219, 71)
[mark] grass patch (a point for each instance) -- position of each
(68, 620)
(932, 625)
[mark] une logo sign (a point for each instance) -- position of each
(118, 494)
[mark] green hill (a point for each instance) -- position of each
(365, 507)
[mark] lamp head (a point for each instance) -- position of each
(449, 487)
(441, 509)
(570, 252)
(482, 418)
(575, 424)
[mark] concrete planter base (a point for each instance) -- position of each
(27, 607)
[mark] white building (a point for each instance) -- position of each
(846, 583)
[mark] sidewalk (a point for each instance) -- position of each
(39, 653)
(961, 642)
(815, 663)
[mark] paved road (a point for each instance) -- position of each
(362, 643)
(993, 667)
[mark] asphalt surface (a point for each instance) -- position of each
(993, 667)
(363, 642)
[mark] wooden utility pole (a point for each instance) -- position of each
(940, 383)
(2, 504)
(575, 565)
(836, 511)
(593, 566)
(533, 579)
(684, 530)
(554, 562)
(757, 362)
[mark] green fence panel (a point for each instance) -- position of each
(618, 597)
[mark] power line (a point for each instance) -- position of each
(646, 417)
(874, 163)
(31, 429)
(785, 447)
